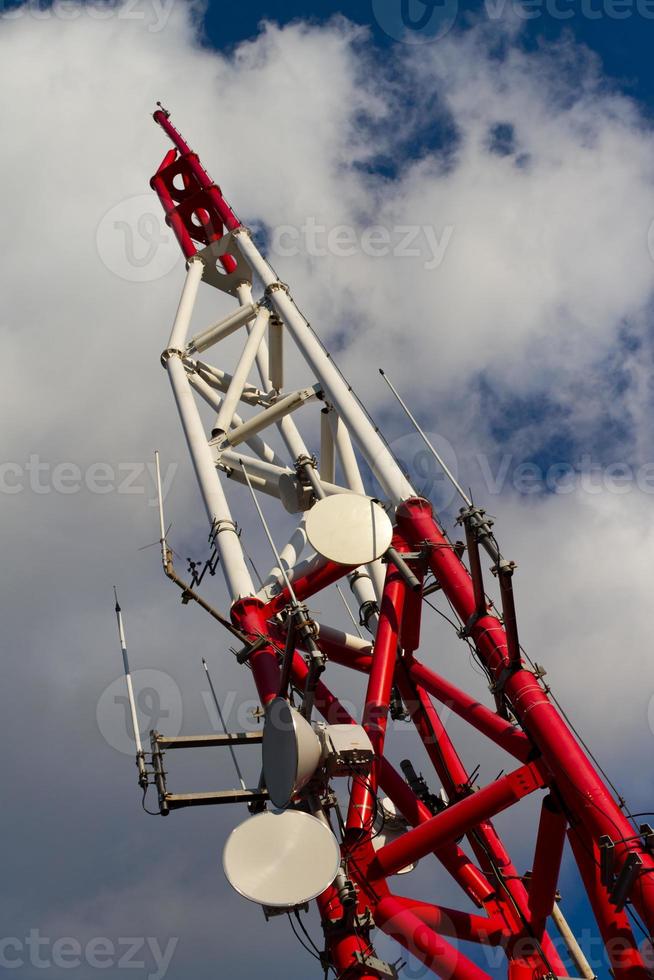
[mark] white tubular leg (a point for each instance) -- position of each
(390, 476)
(352, 478)
(186, 304)
(239, 379)
(229, 548)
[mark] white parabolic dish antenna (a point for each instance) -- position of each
(281, 859)
(291, 752)
(349, 528)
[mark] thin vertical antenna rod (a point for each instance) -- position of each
(162, 526)
(304, 626)
(140, 755)
(287, 581)
(222, 722)
(439, 459)
(349, 611)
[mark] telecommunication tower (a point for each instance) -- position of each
(298, 844)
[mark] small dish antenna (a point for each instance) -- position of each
(349, 528)
(389, 825)
(280, 860)
(291, 752)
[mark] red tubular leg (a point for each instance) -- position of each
(425, 944)
(453, 859)
(547, 863)
(502, 732)
(249, 615)
(380, 682)
(485, 842)
(325, 573)
(456, 820)
(579, 784)
(172, 217)
(487, 930)
(227, 215)
(626, 961)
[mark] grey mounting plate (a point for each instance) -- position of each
(226, 282)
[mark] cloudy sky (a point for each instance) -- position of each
(468, 204)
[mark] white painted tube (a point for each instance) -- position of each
(221, 380)
(269, 416)
(276, 353)
(352, 477)
(224, 328)
(327, 448)
(287, 427)
(239, 380)
(229, 548)
(256, 443)
(388, 473)
(289, 556)
(178, 334)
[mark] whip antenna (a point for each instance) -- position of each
(140, 755)
(222, 722)
(439, 459)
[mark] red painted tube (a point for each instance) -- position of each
(249, 615)
(547, 863)
(325, 574)
(455, 861)
(425, 944)
(485, 841)
(173, 218)
(361, 811)
(502, 732)
(343, 943)
(224, 210)
(580, 785)
(466, 926)
(624, 956)
(456, 820)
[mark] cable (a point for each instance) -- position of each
(152, 813)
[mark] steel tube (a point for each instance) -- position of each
(458, 819)
(240, 376)
(582, 788)
(502, 732)
(426, 945)
(194, 271)
(229, 548)
(361, 812)
(379, 457)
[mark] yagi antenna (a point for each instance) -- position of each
(222, 722)
(140, 755)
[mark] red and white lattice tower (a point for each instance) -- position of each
(389, 564)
